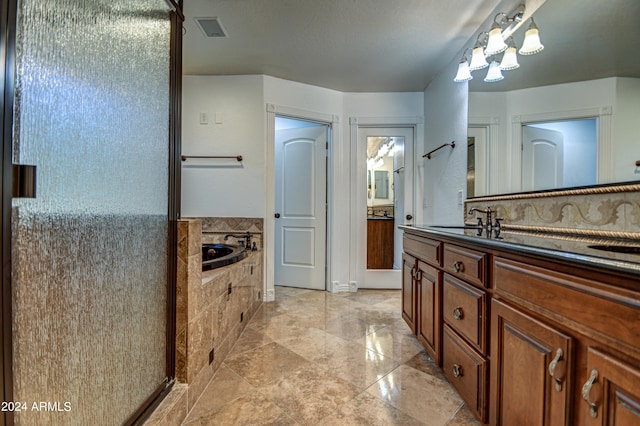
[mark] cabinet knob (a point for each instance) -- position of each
(557, 370)
(586, 394)
(409, 217)
(457, 313)
(277, 215)
(458, 266)
(457, 370)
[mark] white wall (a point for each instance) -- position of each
(223, 187)
(241, 103)
(445, 111)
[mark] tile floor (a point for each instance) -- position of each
(316, 358)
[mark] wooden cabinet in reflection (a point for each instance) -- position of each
(380, 243)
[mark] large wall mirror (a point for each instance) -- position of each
(568, 116)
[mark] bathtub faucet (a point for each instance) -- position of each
(243, 239)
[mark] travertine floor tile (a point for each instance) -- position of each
(314, 357)
(265, 365)
(310, 394)
(366, 409)
(424, 397)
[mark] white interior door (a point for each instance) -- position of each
(542, 158)
(300, 207)
(369, 213)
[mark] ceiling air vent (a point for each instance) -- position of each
(211, 27)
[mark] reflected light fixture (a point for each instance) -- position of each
(495, 73)
(464, 73)
(531, 44)
(510, 58)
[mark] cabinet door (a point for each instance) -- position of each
(429, 312)
(611, 392)
(531, 374)
(409, 291)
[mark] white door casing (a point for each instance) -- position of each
(300, 207)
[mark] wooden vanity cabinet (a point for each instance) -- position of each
(429, 288)
(611, 391)
(527, 340)
(409, 292)
(532, 378)
(565, 347)
(421, 292)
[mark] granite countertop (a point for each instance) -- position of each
(573, 249)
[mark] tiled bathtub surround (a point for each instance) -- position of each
(208, 316)
(611, 211)
(215, 228)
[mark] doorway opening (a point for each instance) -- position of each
(559, 154)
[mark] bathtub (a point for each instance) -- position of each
(218, 255)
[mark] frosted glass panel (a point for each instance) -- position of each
(89, 253)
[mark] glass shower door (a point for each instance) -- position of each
(89, 252)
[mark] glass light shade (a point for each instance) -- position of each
(478, 61)
(509, 60)
(494, 73)
(464, 73)
(531, 44)
(495, 44)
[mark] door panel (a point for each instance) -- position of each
(612, 392)
(298, 247)
(542, 158)
(523, 390)
(300, 203)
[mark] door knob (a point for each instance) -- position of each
(409, 217)
(277, 215)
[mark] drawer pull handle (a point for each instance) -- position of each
(458, 266)
(586, 391)
(555, 371)
(457, 313)
(457, 370)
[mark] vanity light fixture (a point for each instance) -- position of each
(510, 58)
(495, 73)
(464, 73)
(503, 26)
(495, 43)
(478, 59)
(531, 44)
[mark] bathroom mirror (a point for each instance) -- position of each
(589, 70)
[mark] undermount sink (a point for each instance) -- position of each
(633, 249)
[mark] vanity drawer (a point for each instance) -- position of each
(425, 249)
(466, 370)
(464, 308)
(465, 263)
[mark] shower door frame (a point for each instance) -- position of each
(8, 15)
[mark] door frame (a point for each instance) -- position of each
(269, 186)
(355, 123)
(604, 143)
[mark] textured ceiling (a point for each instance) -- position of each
(400, 45)
(346, 45)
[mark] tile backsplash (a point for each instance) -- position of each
(602, 211)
